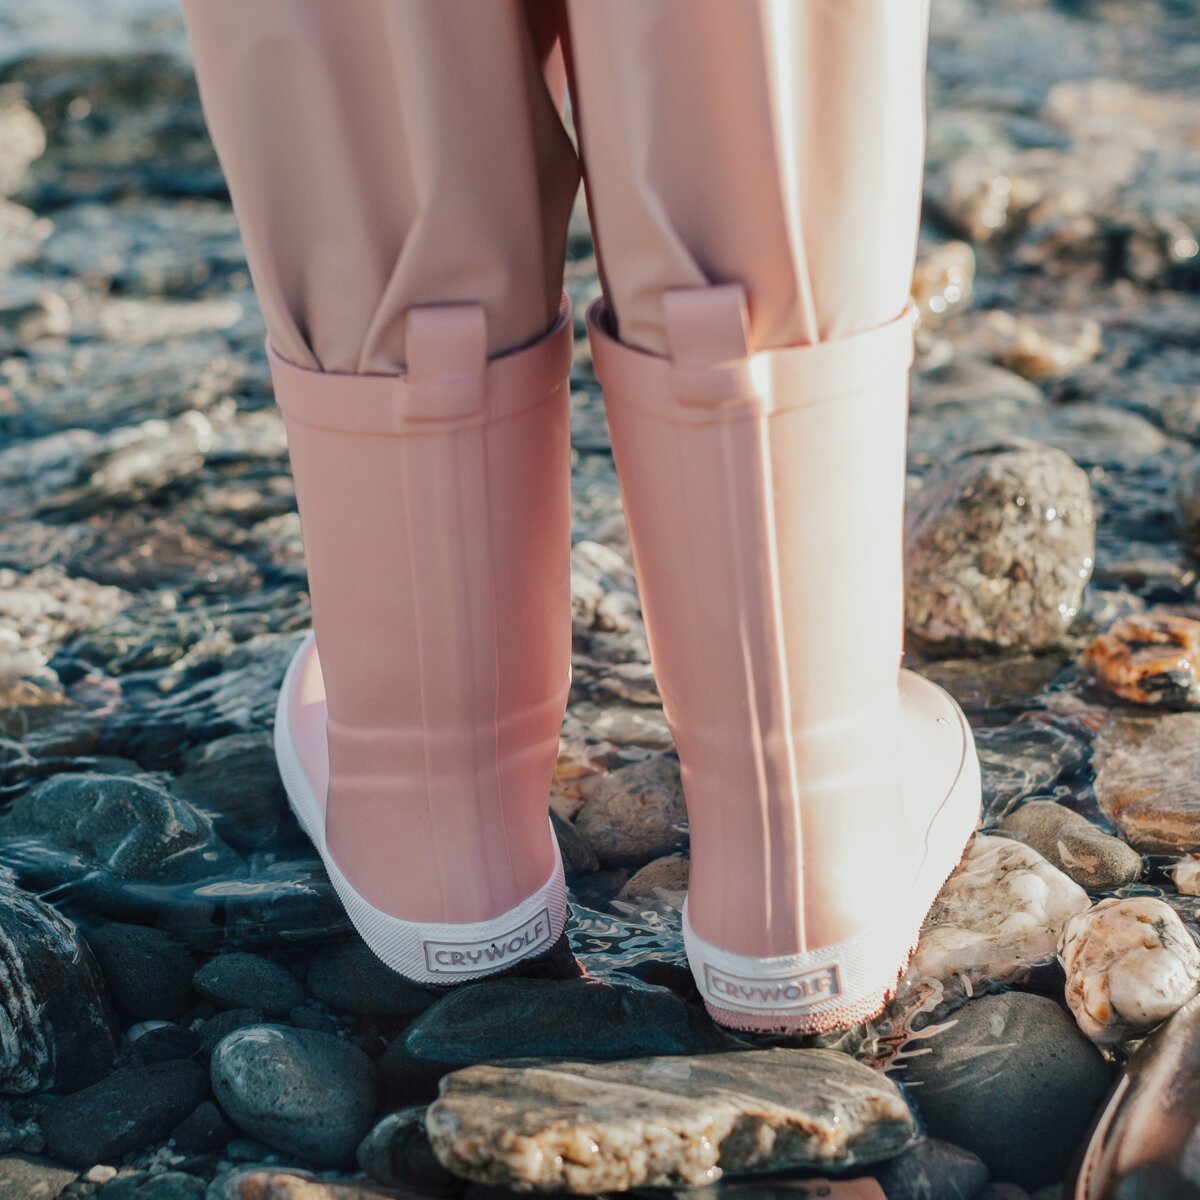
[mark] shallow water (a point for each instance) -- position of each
(157, 586)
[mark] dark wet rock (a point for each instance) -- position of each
(510, 1018)
(235, 780)
(133, 827)
(164, 1185)
(204, 1131)
(349, 977)
(130, 1109)
(1003, 1191)
(577, 854)
(148, 972)
(397, 1152)
(58, 1028)
(1091, 857)
(160, 1041)
(1012, 1080)
(1148, 780)
(25, 1177)
(156, 729)
(218, 1027)
(660, 1122)
(1000, 547)
(932, 1170)
(636, 813)
(669, 875)
(1144, 1147)
(1150, 658)
(305, 1093)
(239, 980)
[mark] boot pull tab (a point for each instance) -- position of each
(708, 336)
(445, 352)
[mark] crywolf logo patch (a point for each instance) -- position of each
(783, 991)
(451, 958)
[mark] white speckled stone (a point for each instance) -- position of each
(1130, 964)
(1186, 874)
(999, 914)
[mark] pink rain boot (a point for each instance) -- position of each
(418, 751)
(830, 793)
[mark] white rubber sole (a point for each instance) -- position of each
(835, 987)
(424, 952)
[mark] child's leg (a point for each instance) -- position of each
(403, 184)
(753, 172)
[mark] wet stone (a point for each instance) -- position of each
(397, 1152)
(239, 980)
(204, 1131)
(1150, 658)
(269, 1183)
(1130, 963)
(547, 1018)
(543, 1125)
(58, 1028)
(636, 813)
(303, 1092)
(943, 281)
(165, 1185)
(128, 1110)
(1045, 346)
(25, 1177)
(1000, 547)
(1069, 841)
(218, 1027)
(161, 1041)
(235, 780)
(133, 827)
(998, 915)
(1147, 1150)
(148, 972)
(1012, 1080)
(667, 875)
(932, 1170)
(1148, 780)
(349, 977)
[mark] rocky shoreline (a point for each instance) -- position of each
(185, 1013)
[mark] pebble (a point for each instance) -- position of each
(204, 1131)
(148, 972)
(1148, 780)
(998, 915)
(159, 1041)
(145, 1185)
(240, 980)
(303, 1092)
(546, 1018)
(931, 1169)
(663, 1122)
(257, 1183)
(224, 1023)
(1041, 346)
(26, 1177)
(397, 1152)
(1011, 1079)
(667, 875)
(128, 1110)
(1000, 547)
(944, 281)
(133, 827)
(636, 813)
(1130, 963)
(1144, 1146)
(1069, 841)
(1186, 875)
(1150, 658)
(350, 978)
(57, 1028)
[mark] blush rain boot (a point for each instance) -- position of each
(419, 748)
(830, 793)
